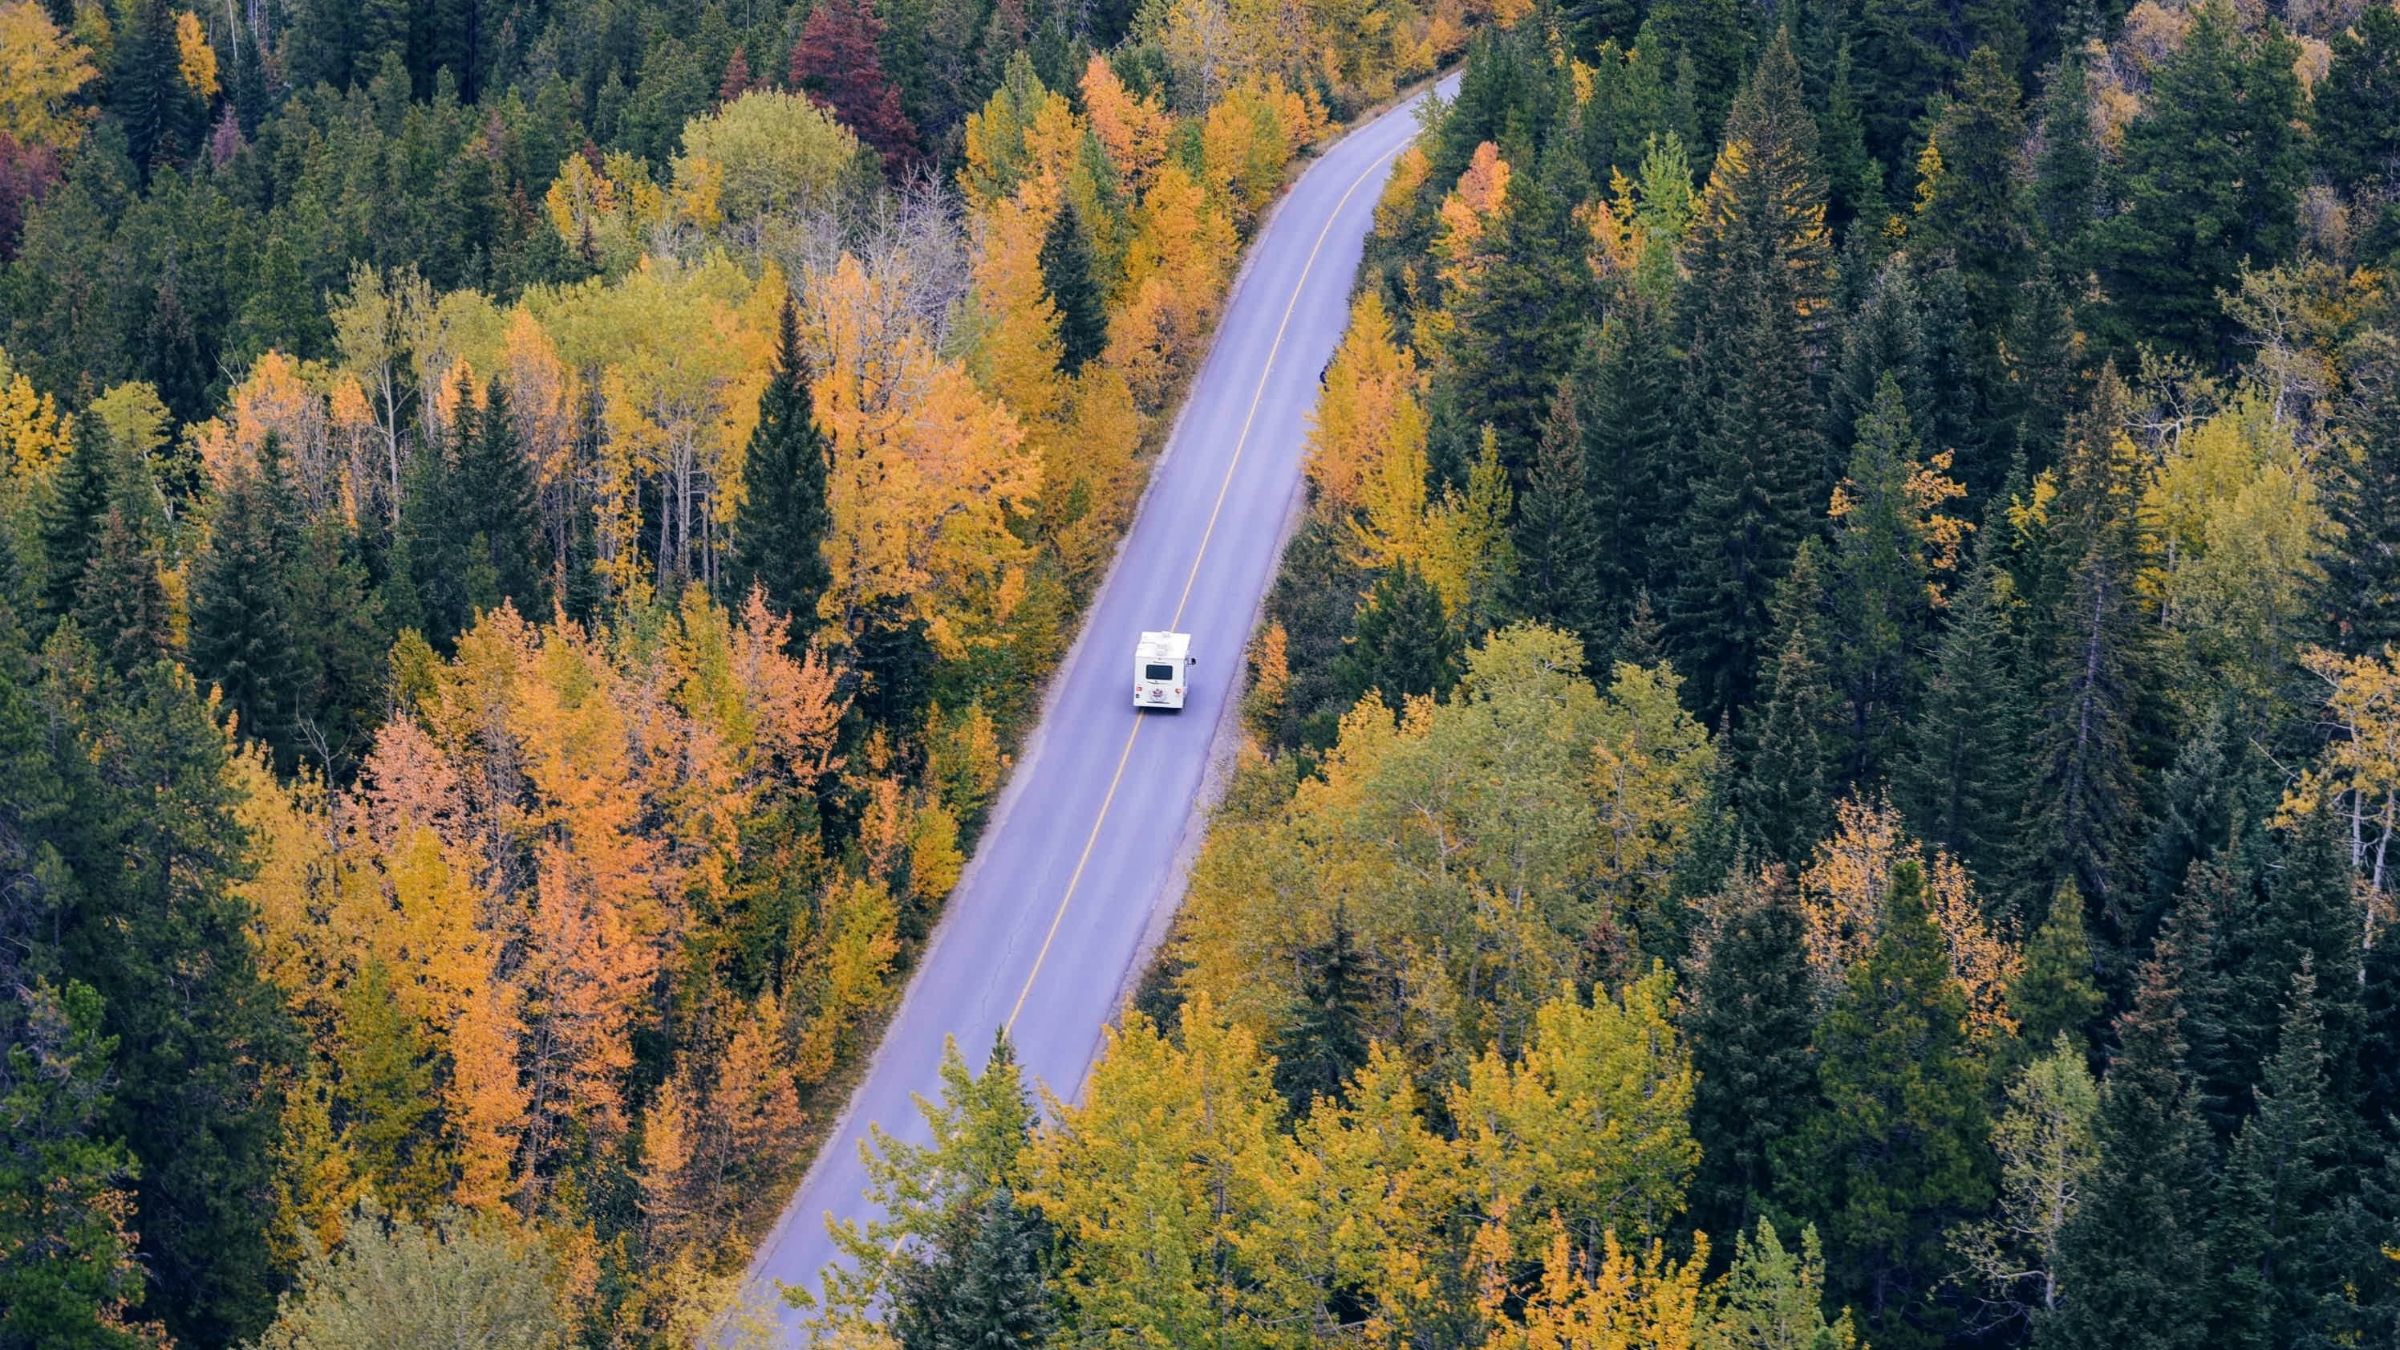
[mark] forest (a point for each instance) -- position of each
(1823, 761)
(529, 533)
(1820, 767)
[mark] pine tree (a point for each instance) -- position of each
(1066, 261)
(2066, 174)
(2085, 795)
(983, 1287)
(1751, 1023)
(2053, 994)
(2362, 577)
(1558, 541)
(1402, 643)
(1960, 780)
(2210, 170)
(121, 605)
(2125, 1259)
(88, 484)
(244, 638)
(2271, 1266)
(1520, 326)
(1895, 1154)
(1630, 439)
(779, 529)
(1877, 589)
(1324, 1040)
(2357, 104)
(1787, 793)
(151, 842)
(1750, 442)
(493, 491)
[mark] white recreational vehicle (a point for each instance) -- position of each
(1159, 663)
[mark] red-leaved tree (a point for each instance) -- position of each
(838, 64)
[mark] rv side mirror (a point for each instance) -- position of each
(1191, 660)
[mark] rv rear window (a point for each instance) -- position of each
(1158, 673)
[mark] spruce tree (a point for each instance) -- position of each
(1960, 777)
(1323, 1041)
(1750, 440)
(2066, 173)
(88, 483)
(1978, 209)
(1787, 791)
(2362, 577)
(1520, 326)
(244, 626)
(2053, 994)
(1066, 262)
(2210, 171)
(2084, 799)
(1895, 1153)
(2125, 1267)
(1876, 590)
(1557, 540)
(1402, 643)
(494, 492)
(1751, 1023)
(2357, 108)
(2271, 1264)
(983, 1287)
(149, 839)
(779, 529)
(1630, 443)
(121, 605)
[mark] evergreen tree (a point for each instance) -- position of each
(1787, 794)
(1066, 261)
(2066, 173)
(1960, 778)
(1324, 1039)
(2210, 170)
(1854, 178)
(2053, 994)
(492, 491)
(2362, 577)
(67, 1267)
(1402, 644)
(88, 484)
(244, 626)
(1520, 326)
(2271, 1264)
(1750, 440)
(1978, 208)
(779, 529)
(1877, 589)
(2085, 795)
(1895, 1154)
(1557, 540)
(1630, 441)
(984, 1286)
(150, 842)
(1751, 1023)
(448, 578)
(146, 89)
(2126, 1257)
(2357, 104)
(121, 606)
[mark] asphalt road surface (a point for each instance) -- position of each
(1042, 932)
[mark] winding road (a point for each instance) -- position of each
(1080, 866)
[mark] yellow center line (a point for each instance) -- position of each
(1124, 756)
